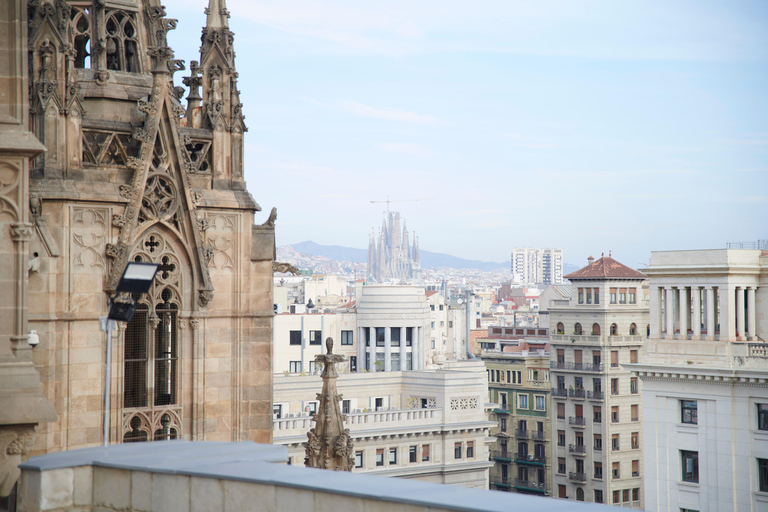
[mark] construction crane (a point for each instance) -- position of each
(398, 201)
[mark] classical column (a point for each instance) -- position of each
(751, 325)
(711, 311)
(669, 305)
(372, 349)
(657, 298)
(740, 317)
(696, 317)
(727, 313)
(683, 312)
(387, 349)
(402, 350)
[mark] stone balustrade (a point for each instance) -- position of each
(356, 422)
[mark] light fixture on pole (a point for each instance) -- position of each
(137, 278)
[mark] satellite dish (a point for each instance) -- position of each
(460, 301)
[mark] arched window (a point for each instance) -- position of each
(595, 329)
(579, 494)
(577, 328)
(632, 329)
(121, 42)
(560, 328)
(614, 330)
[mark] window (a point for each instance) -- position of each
(425, 453)
(345, 405)
(81, 28)
(378, 403)
(295, 337)
(633, 332)
(598, 442)
(470, 449)
(314, 338)
(597, 295)
(596, 357)
(632, 295)
(577, 329)
(622, 295)
(762, 416)
(625, 495)
(636, 494)
(393, 456)
(457, 450)
(522, 401)
(581, 295)
(689, 412)
(614, 386)
(560, 355)
(589, 295)
(380, 456)
(539, 402)
(635, 440)
(432, 325)
(432, 307)
(690, 463)
(632, 353)
(561, 383)
(599, 470)
(409, 336)
(442, 323)
(635, 468)
(412, 454)
(367, 337)
(579, 494)
(615, 473)
(561, 465)
(560, 328)
(614, 358)
(615, 442)
(595, 329)
(352, 363)
(450, 324)
(579, 439)
(394, 336)
(578, 382)
(597, 386)
(314, 368)
(277, 411)
(346, 337)
(295, 366)
(614, 330)
(633, 385)
(503, 424)
(561, 438)
(560, 411)
(121, 45)
(358, 459)
(613, 295)
(598, 496)
(380, 336)
(597, 414)
(441, 307)
(762, 469)
(432, 343)
(615, 414)
(617, 496)
(311, 408)
(634, 414)
(508, 376)
(561, 490)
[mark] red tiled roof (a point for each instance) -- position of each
(430, 293)
(606, 267)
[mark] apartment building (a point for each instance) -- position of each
(596, 429)
(428, 425)
(518, 384)
(537, 265)
(705, 381)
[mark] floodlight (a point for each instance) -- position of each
(122, 309)
(137, 277)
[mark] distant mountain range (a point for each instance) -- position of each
(428, 259)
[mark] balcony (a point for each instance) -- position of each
(577, 367)
(635, 418)
(577, 421)
(576, 393)
(529, 485)
(501, 482)
(577, 477)
(615, 475)
(539, 435)
(522, 434)
(501, 408)
(559, 392)
(595, 395)
(501, 455)
(635, 473)
(530, 458)
(577, 449)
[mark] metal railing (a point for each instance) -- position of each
(559, 392)
(522, 434)
(576, 393)
(577, 449)
(501, 454)
(581, 367)
(576, 476)
(539, 435)
(578, 421)
(530, 457)
(528, 484)
(506, 482)
(595, 395)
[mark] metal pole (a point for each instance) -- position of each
(107, 325)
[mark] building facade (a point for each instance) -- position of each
(596, 402)
(133, 173)
(393, 259)
(428, 425)
(705, 381)
(537, 266)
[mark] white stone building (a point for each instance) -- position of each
(705, 381)
(429, 425)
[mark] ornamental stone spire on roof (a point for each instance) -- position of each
(328, 445)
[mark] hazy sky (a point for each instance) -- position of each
(590, 126)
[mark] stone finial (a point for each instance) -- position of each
(329, 445)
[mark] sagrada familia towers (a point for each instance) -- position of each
(394, 259)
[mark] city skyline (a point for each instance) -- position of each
(585, 126)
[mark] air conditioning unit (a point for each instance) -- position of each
(530, 456)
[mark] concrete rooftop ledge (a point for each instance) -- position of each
(151, 476)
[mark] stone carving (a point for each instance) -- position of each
(221, 239)
(125, 191)
(204, 297)
(21, 232)
(89, 232)
(109, 148)
(462, 404)
(35, 205)
(15, 443)
(9, 181)
(329, 445)
(270, 222)
(284, 267)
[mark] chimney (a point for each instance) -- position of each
(590, 260)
